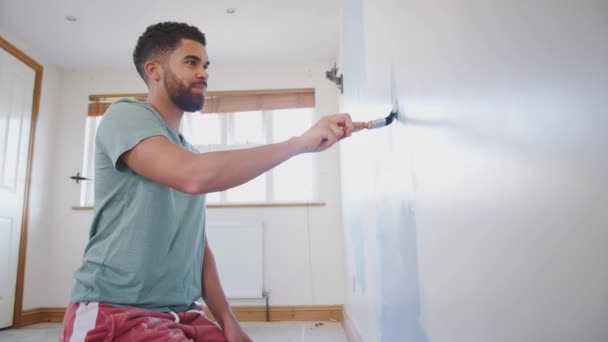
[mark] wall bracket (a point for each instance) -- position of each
(332, 75)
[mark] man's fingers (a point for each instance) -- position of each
(347, 130)
(344, 122)
(349, 122)
(331, 129)
(338, 131)
(342, 117)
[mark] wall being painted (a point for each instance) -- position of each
(478, 216)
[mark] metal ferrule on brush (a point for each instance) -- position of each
(377, 123)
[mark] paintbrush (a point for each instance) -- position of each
(378, 122)
(383, 121)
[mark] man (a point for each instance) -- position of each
(141, 271)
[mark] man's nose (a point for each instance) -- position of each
(203, 74)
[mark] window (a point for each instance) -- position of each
(291, 181)
(233, 120)
(88, 167)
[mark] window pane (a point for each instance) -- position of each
(293, 179)
(88, 167)
(290, 122)
(248, 128)
(202, 129)
(252, 191)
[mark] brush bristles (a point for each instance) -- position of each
(390, 117)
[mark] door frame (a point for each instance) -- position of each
(27, 60)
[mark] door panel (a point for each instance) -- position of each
(16, 96)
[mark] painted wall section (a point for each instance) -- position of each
(482, 207)
(355, 85)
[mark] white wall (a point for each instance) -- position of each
(303, 255)
(482, 209)
(37, 269)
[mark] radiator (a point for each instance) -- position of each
(238, 251)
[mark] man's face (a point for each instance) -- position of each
(186, 75)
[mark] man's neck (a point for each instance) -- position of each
(166, 108)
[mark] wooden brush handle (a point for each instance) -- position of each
(360, 125)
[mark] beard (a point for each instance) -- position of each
(181, 95)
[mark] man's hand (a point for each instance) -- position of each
(234, 333)
(326, 132)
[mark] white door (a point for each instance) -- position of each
(16, 96)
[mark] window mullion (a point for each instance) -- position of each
(86, 195)
(268, 135)
(224, 120)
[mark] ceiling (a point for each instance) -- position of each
(261, 31)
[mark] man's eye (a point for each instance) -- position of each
(191, 62)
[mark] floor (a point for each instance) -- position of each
(259, 332)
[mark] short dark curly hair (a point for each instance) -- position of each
(161, 38)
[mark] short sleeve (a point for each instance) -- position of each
(124, 125)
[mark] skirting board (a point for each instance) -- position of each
(351, 330)
(243, 313)
(41, 315)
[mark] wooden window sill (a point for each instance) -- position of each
(244, 205)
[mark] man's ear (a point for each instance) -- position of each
(153, 70)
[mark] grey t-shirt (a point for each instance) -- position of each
(146, 241)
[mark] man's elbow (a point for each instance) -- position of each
(198, 177)
(190, 187)
(197, 184)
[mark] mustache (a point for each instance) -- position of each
(203, 83)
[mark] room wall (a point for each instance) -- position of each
(478, 216)
(303, 253)
(37, 270)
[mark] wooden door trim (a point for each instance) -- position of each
(27, 60)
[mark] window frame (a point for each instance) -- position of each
(266, 100)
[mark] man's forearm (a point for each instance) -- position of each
(218, 171)
(213, 294)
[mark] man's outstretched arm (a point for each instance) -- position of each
(162, 161)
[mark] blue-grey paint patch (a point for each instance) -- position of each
(355, 91)
(355, 75)
(400, 293)
(354, 225)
